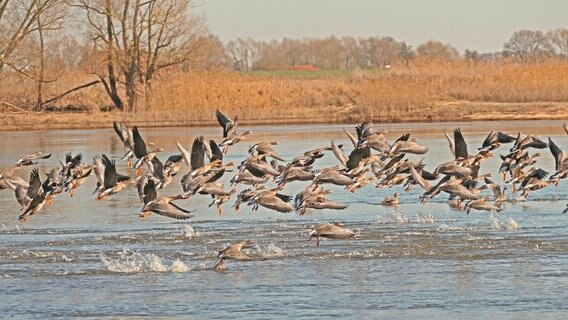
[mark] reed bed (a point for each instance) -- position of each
(423, 91)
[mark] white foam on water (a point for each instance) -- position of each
(445, 227)
(134, 262)
(512, 225)
(189, 232)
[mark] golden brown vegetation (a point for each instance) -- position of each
(424, 91)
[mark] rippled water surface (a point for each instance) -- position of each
(87, 258)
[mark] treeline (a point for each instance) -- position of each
(378, 52)
(124, 47)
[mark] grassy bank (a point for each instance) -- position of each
(425, 91)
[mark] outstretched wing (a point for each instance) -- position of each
(150, 193)
(139, 145)
(460, 145)
(225, 122)
(197, 153)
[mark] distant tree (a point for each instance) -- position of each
(240, 54)
(381, 52)
(557, 42)
(526, 45)
(351, 53)
(210, 55)
(436, 50)
(471, 55)
(406, 53)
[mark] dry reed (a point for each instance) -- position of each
(425, 91)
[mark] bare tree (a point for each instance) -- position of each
(49, 19)
(525, 45)
(557, 42)
(381, 52)
(244, 53)
(406, 53)
(19, 21)
(436, 50)
(141, 38)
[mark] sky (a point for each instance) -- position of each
(482, 25)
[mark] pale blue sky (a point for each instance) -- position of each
(483, 25)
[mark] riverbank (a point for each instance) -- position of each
(441, 112)
(426, 91)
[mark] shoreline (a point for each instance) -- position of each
(441, 112)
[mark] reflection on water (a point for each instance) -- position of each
(87, 258)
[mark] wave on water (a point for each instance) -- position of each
(15, 229)
(134, 262)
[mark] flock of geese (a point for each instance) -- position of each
(371, 159)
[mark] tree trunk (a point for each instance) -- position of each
(130, 92)
(41, 57)
(111, 88)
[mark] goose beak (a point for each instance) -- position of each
(143, 214)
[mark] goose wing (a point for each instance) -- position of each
(150, 193)
(158, 168)
(216, 153)
(338, 153)
(197, 153)
(419, 179)
(451, 143)
(121, 132)
(139, 145)
(226, 123)
(275, 203)
(352, 138)
(460, 145)
(34, 184)
(110, 176)
(99, 168)
(333, 231)
(184, 153)
(22, 195)
(556, 152)
(170, 210)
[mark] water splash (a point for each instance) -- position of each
(512, 225)
(134, 262)
(424, 218)
(496, 222)
(272, 251)
(400, 217)
(178, 266)
(189, 232)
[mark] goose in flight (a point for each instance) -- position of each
(331, 231)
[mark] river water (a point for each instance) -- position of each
(87, 258)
